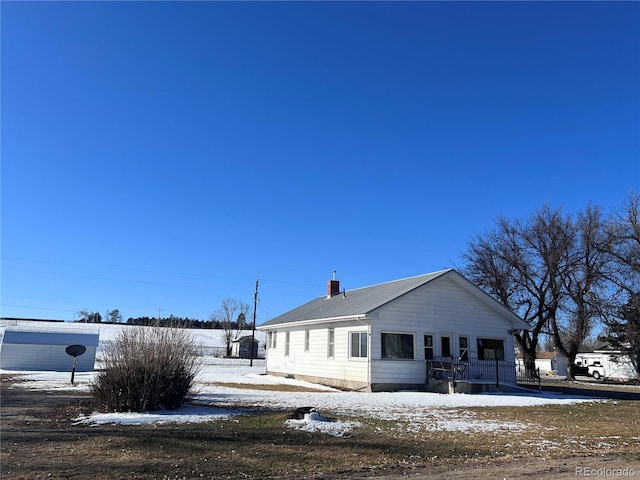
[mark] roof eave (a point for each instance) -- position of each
(313, 321)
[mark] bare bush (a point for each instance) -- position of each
(147, 369)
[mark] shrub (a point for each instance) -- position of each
(146, 369)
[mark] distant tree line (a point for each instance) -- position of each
(226, 318)
(173, 321)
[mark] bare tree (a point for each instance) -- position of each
(231, 316)
(623, 320)
(563, 275)
(85, 316)
(519, 263)
(583, 284)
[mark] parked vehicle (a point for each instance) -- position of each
(596, 370)
(588, 367)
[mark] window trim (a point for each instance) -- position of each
(331, 342)
(463, 351)
(287, 343)
(432, 347)
(448, 337)
(382, 345)
(360, 344)
(481, 355)
(306, 339)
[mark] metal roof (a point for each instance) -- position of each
(351, 303)
(33, 336)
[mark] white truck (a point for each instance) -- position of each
(589, 367)
(604, 365)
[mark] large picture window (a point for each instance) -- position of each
(359, 344)
(397, 345)
(490, 349)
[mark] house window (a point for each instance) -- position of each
(306, 340)
(428, 347)
(397, 345)
(445, 346)
(490, 349)
(286, 344)
(463, 343)
(331, 342)
(272, 339)
(359, 344)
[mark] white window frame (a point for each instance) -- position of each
(463, 350)
(442, 337)
(272, 339)
(306, 340)
(358, 354)
(432, 347)
(413, 345)
(287, 343)
(331, 342)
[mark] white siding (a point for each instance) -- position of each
(439, 308)
(442, 309)
(315, 361)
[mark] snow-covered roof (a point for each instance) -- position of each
(50, 336)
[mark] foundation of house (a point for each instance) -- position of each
(448, 386)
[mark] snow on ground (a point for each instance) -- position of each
(210, 340)
(214, 401)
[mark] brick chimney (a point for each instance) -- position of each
(333, 286)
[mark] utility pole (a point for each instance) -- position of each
(253, 328)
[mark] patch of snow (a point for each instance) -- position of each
(314, 422)
(183, 415)
(215, 400)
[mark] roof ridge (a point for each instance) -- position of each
(430, 274)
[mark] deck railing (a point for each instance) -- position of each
(472, 370)
(495, 371)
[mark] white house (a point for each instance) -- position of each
(44, 348)
(412, 333)
(548, 363)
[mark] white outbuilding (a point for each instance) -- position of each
(45, 349)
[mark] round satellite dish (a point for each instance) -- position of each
(75, 350)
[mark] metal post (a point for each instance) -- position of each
(253, 328)
(73, 369)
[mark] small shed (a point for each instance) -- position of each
(241, 347)
(44, 349)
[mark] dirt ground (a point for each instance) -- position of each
(39, 440)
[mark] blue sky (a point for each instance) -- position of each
(160, 155)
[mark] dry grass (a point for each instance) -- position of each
(259, 445)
